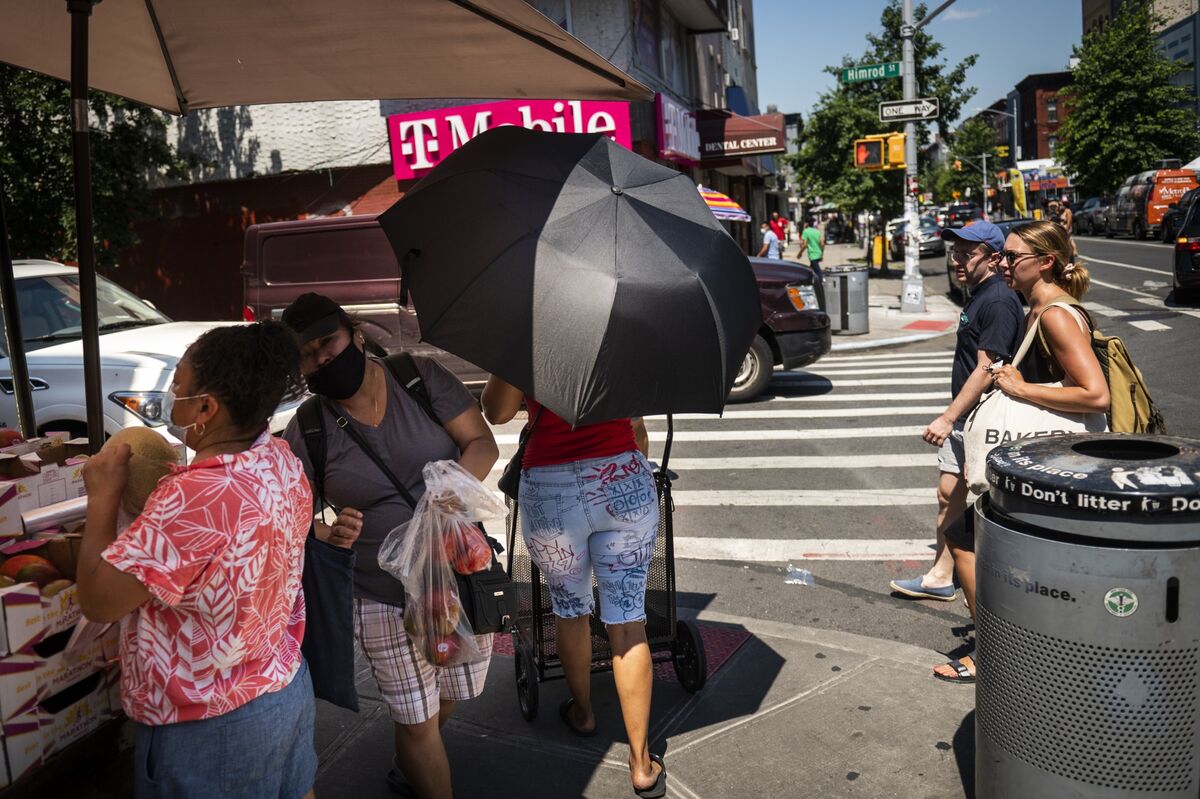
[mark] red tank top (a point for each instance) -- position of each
(553, 442)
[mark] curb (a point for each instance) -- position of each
(895, 341)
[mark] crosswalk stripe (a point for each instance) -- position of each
(800, 377)
(1157, 303)
(814, 413)
(882, 397)
(807, 497)
(1104, 310)
(931, 369)
(1090, 260)
(760, 550)
(794, 462)
(769, 435)
(898, 356)
(1149, 325)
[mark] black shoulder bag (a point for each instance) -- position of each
(510, 478)
(485, 595)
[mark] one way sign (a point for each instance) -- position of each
(909, 110)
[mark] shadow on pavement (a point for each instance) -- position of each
(964, 754)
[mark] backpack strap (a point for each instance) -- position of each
(404, 369)
(312, 426)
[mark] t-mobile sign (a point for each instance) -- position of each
(420, 140)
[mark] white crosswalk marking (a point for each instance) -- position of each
(1149, 325)
(1104, 310)
(899, 357)
(764, 462)
(840, 371)
(844, 497)
(800, 377)
(815, 434)
(1157, 303)
(820, 413)
(872, 398)
(788, 550)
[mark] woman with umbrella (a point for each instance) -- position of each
(589, 505)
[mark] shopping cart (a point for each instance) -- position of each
(535, 651)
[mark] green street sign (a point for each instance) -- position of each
(864, 72)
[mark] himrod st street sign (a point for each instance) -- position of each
(909, 110)
(864, 72)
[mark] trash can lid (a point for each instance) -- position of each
(1109, 485)
(840, 268)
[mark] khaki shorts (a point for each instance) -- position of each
(410, 685)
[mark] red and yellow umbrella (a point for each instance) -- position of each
(723, 206)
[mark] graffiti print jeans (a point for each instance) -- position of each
(592, 516)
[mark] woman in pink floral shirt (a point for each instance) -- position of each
(206, 582)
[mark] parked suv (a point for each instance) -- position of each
(139, 348)
(795, 331)
(350, 260)
(1138, 208)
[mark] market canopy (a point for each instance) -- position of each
(182, 54)
(723, 206)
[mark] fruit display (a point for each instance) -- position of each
(8, 437)
(30, 569)
(56, 587)
(152, 458)
(466, 547)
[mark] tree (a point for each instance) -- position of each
(1124, 112)
(825, 161)
(129, 154)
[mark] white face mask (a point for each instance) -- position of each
(168, 412)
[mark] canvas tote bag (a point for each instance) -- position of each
(1000, 419)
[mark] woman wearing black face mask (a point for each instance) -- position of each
(363, 392)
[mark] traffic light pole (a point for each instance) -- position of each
(912, 295)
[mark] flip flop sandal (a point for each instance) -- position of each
(659, 788)
(964, 675)
(564, 713)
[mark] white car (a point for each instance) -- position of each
(139, 348)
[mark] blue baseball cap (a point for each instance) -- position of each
(981, 231)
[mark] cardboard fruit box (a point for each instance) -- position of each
(73, 713)
(21, 739)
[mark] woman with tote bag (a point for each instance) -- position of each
(1054, 386)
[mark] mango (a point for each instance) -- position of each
(55, 588)
(41, 573)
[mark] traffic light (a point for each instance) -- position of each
(1002, 151)
(957, 165)
(895, 151)
(868, 153)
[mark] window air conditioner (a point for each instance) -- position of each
(734, 34)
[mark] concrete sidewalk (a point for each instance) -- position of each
(887, 325)
(793, 712)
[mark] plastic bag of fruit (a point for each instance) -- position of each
(424, 553)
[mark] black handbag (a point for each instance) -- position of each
(510, 479)
(328, 645)
(485, 595)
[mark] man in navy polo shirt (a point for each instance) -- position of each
(990, 328)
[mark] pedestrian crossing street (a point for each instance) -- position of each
(828, 465)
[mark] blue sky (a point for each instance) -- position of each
(1013, 38)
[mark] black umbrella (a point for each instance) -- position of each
(585, 275)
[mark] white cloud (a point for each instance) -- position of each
(953, 14)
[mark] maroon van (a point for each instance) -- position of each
(348, 259)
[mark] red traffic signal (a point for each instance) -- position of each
(868, 153)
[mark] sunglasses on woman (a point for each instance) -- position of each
(1011, 258)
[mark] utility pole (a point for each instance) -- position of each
(983, 200)
(912, 296)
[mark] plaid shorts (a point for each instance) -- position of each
(408, 683)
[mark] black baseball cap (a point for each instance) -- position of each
(312, 316)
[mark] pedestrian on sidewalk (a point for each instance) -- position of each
(779, 228)
(771, 247)
(1038, 260)
(206, 581)
(989, 328)
(589, 507)
(811, 238)
(406, 430)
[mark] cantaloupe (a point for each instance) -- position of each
(152, 459)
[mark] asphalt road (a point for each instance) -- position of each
(828, 472)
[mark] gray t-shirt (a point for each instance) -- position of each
(406, 440)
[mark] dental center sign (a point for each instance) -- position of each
(420, 140)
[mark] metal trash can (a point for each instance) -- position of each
(846, 297)
(1088, 619)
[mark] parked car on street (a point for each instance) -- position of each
(795, 331)
(350, 260)
(960, 214)
(931, 241)
(1138, 208)
(1187, 257)
(139, 349)
(1091, 216)
(1176, 212)
(958, 291)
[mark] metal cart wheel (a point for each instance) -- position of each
(527, 681)
(688, 658)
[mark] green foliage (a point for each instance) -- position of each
(825, 162)
(129, 152)
(1124, 112)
